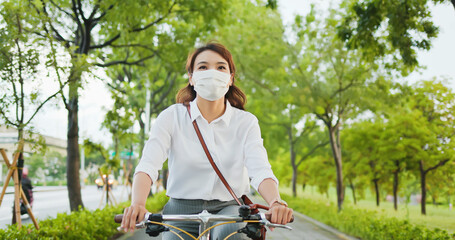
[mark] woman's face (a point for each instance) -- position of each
(209, 59)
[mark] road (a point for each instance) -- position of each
(48, 201)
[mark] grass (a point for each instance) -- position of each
(437, 216)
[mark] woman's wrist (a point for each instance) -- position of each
(138, 204)
(278, 201)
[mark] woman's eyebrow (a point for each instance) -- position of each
(205, 62)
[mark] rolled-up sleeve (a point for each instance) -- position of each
(156, 149)
(256, 160)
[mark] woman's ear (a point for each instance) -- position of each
(231, 80)
(190, 79)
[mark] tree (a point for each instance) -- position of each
(262, 73)
(119, 121)
(324, 179)
(19, 84)
(303, 142)
(362, 143)
(440, 185)
(111, 163)
(400, 141)
(89, 30)
(436, 104)
(335, 79)
(390, 28)
(19, 70)
(131, 84)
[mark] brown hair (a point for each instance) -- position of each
(235, 96)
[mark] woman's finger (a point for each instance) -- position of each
(283, 214)
(126, 219)
(290, 213)
(274, 217)
(133, 219)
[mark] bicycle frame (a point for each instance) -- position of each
(205, 218)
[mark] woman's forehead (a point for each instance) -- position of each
(209, 56)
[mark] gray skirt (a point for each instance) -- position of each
(184, 206)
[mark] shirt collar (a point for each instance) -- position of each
(226, 117)
(195, 113)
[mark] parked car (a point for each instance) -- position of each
(112, 182)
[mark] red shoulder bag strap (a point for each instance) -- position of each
(209, 156)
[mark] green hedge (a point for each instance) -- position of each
(84, 224)
(363, 224)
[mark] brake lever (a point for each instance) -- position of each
(269, 224)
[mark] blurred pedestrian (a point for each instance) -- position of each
(28, 190)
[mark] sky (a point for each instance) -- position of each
(95, 99)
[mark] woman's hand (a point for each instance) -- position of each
(280, 214)
(132, 215)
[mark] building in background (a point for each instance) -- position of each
(8, 141)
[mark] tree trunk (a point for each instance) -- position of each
(336, 150)
(73, 158)
(294, 166)
(395, 189)
(294, 171)
(294, 181)
(116, 145)
(142, 136)
(19, 165)
(376, 189)
(423, 188)
(353, 191)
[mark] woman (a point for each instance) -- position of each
(232, 136)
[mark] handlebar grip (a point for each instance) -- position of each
(268, 216)
(118, 218)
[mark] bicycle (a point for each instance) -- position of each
(155, 226)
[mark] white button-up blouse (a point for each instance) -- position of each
(234, 141)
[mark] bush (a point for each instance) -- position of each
(83, 224)
(362, 223)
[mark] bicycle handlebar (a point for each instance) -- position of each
(118, 218)
(205, 217)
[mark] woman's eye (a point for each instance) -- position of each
(221, 67)
(202, 67)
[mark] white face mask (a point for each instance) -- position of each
(211, 84)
